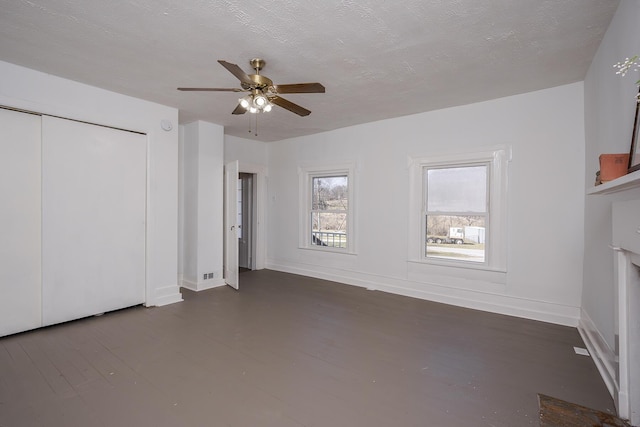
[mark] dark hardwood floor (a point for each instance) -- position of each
(288, 350)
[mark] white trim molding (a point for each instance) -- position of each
(164, 296)
(603, 356)
(260, 217)
(498, 159)
(305, 174)
(203, 285)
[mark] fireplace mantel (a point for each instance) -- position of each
(626, 182)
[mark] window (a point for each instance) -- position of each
(326, 209)
(458, 209)
(329, 207)
(456, 212)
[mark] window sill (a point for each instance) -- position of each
(327, 250)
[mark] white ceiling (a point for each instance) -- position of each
(377, 58)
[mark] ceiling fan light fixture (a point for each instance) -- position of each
(259, 101)
(245, 102)
(256, 102)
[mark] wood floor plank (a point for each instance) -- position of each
(291, 351)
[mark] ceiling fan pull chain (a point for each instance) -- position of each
(256, 134)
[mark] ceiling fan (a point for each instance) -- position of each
(262, 93)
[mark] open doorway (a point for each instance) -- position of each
(246, 221)
(245, 239)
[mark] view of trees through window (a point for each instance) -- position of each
(329, 208)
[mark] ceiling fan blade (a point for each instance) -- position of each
(300, 88)
(236, 71)
(288, 105)
(211, 89)
(239, 110)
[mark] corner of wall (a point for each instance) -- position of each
(203, 285)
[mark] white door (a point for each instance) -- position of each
(93, 219)
(231, 224)
(20, 238)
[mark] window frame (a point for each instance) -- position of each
(496, 159)
(486, 214)
(306, 175)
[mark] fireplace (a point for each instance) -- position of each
(626, 243)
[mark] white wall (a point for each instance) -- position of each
(246, 151)
(188, 232)
(201, 184)
(21, 224)
(204, 150)
(35, 91)
(609, 114)
(545, 203)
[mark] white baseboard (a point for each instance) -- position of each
(492, 302)
(164, 296)
(603, 356)
(202, 285)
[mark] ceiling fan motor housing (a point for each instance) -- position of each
(259, 82)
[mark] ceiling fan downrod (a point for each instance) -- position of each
(257, 64)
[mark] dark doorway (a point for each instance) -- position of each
(246, 206)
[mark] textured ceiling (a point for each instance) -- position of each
(377, 59)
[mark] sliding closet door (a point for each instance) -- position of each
(93, 219)
(20, 273)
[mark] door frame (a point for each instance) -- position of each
(248, 212)
(231, 224)
(259, 248)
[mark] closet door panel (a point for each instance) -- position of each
(20, 249)
(93, 219)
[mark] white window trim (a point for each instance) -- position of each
(304, 189)
(498, 159)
